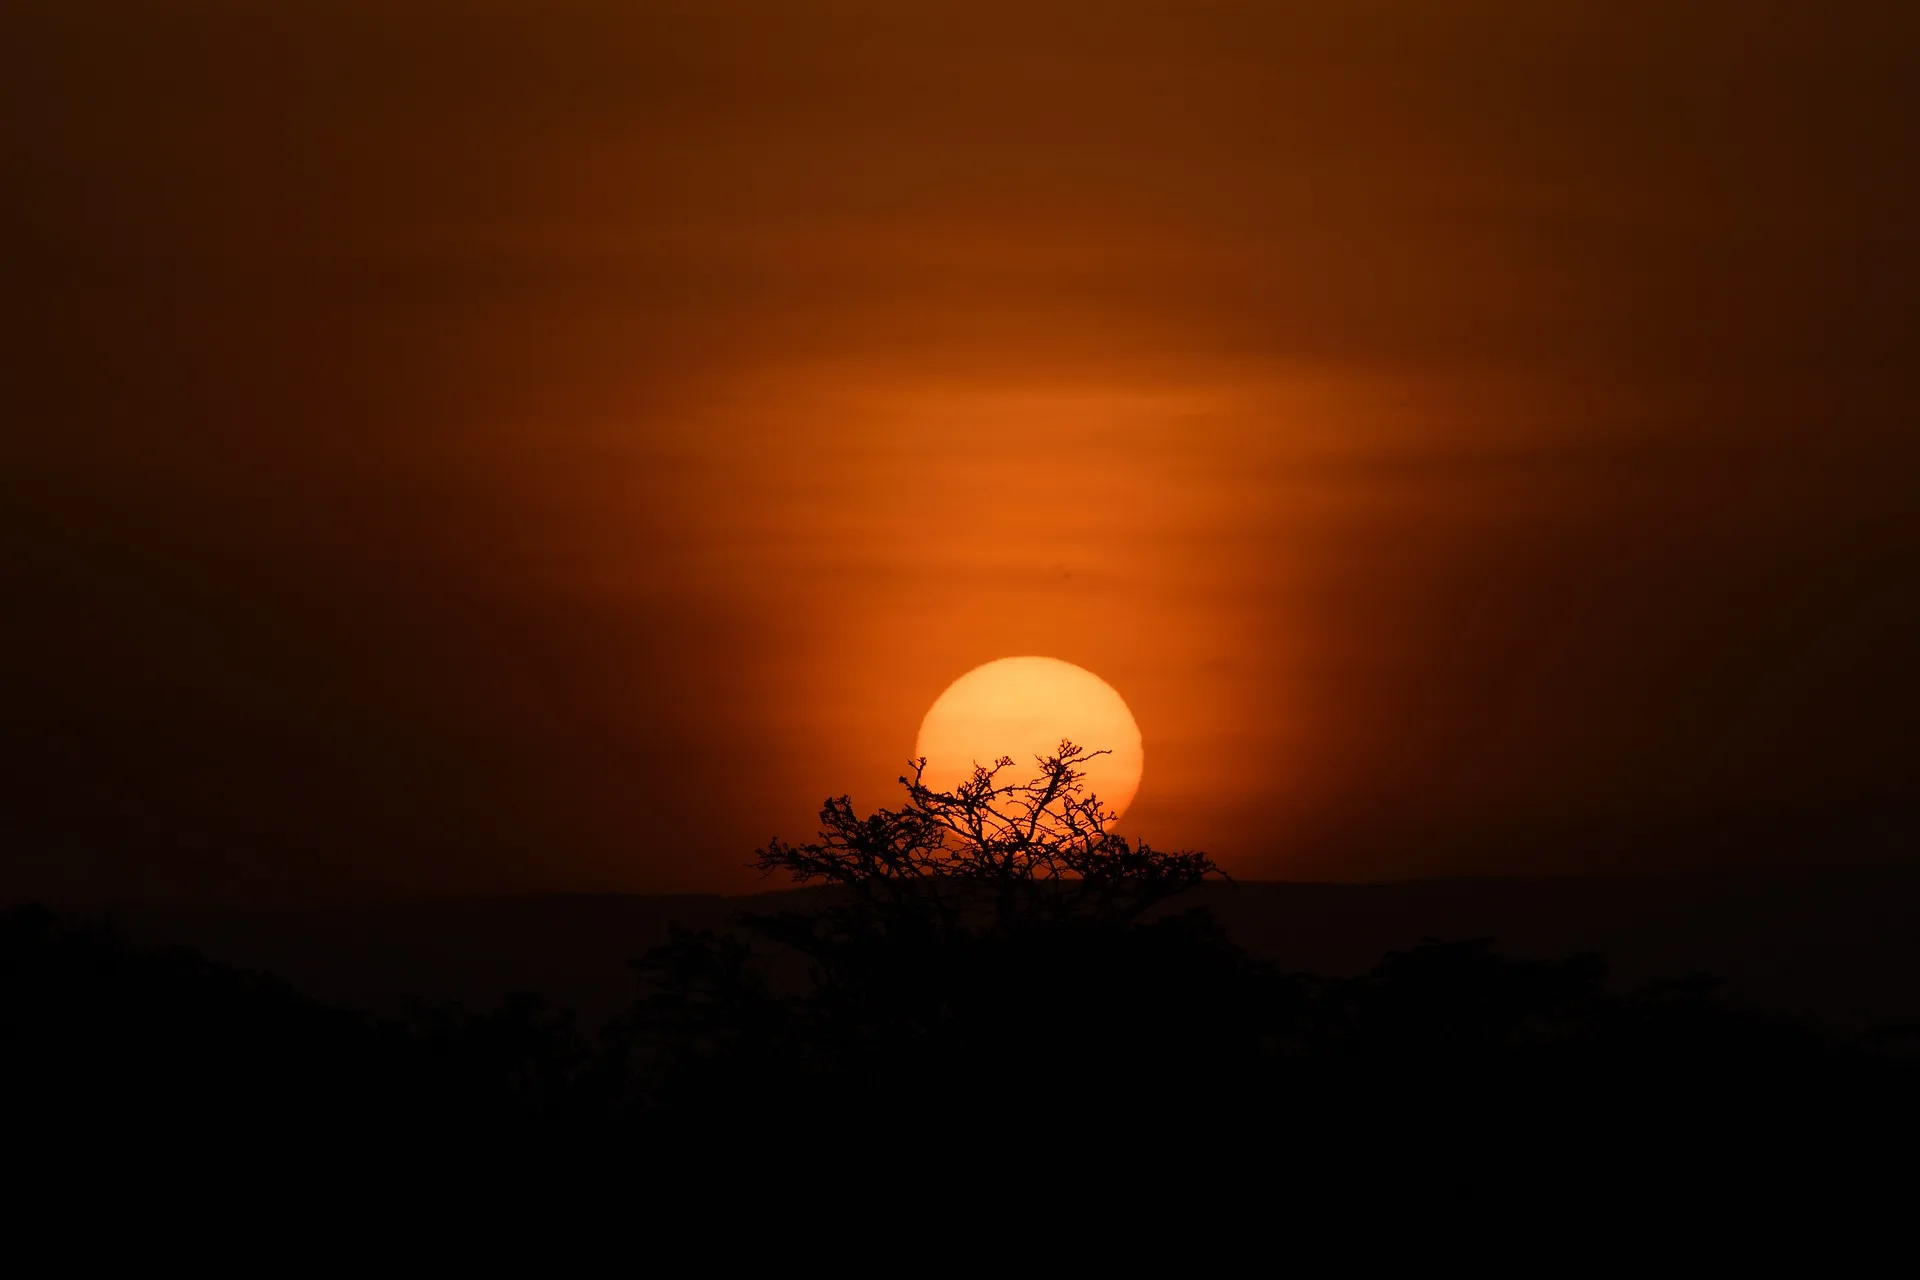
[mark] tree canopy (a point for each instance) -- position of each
(993, 852)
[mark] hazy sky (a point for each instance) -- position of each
(459, 446)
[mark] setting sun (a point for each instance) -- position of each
(1023, 708)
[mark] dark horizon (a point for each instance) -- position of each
(1837, 947)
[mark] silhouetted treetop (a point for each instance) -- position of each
(1044, 847)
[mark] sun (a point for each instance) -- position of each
(1023, 707)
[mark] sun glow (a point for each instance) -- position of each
(1022, 708)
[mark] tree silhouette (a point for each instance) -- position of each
(979, 946)
(991, 853)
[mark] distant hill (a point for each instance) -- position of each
(1839, 946)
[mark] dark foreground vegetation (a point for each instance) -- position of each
(988, 970)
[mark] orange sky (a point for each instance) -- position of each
(468, 447)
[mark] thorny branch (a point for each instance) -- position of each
(1003, 850)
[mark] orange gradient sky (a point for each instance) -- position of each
(486, 446)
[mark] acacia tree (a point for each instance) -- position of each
(985, 920)
(992, 853)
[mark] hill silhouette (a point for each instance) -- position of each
(1840, 947)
